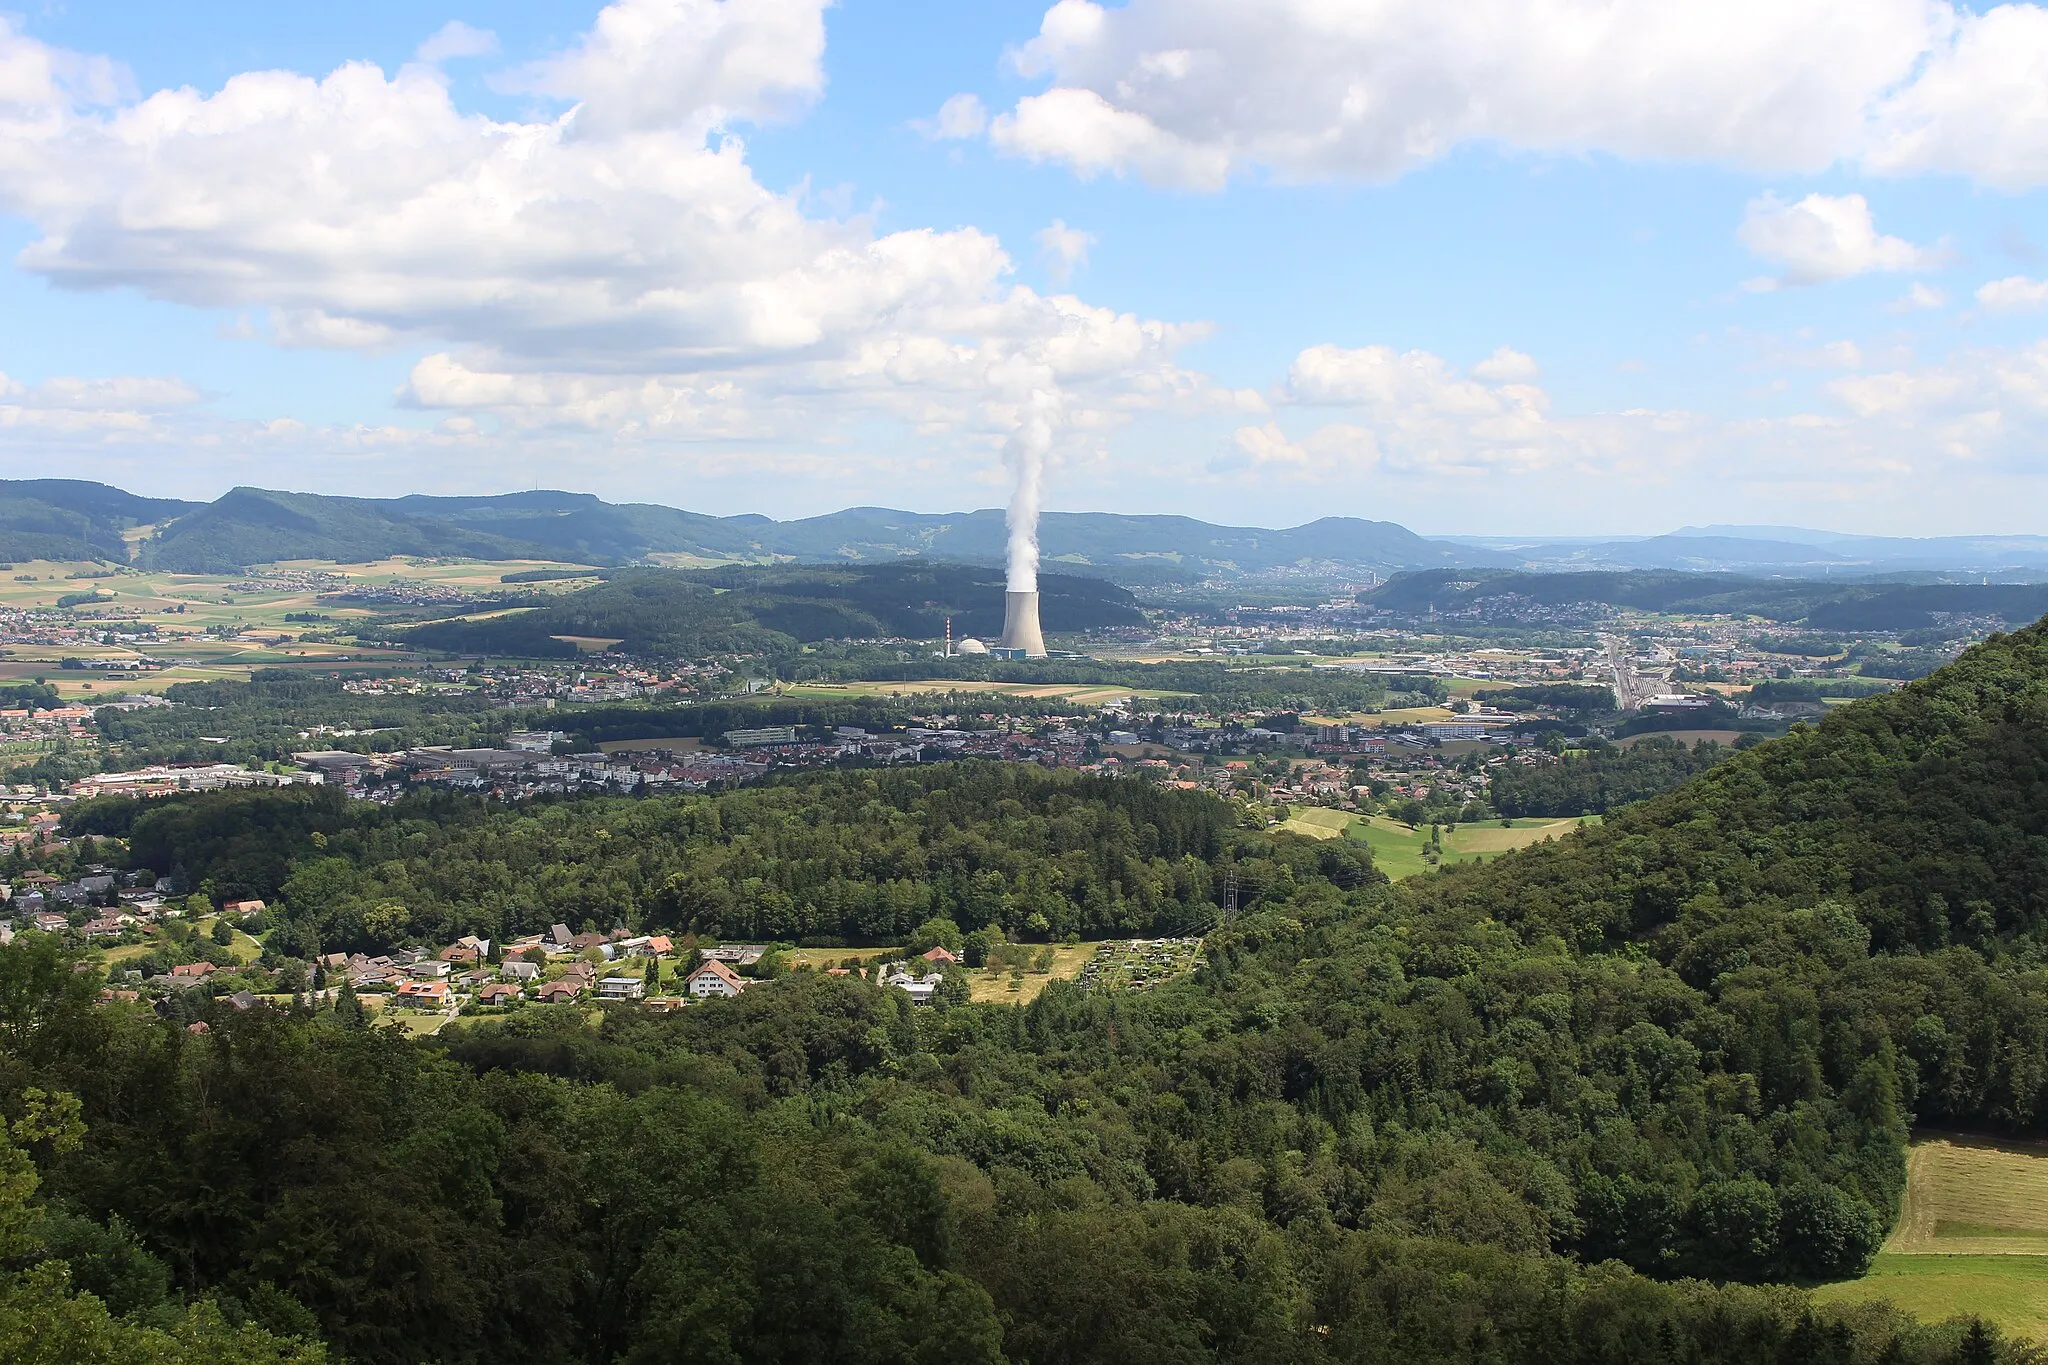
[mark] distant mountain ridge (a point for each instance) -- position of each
(252, 525)
(73, 519)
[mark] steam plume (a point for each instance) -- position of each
(1026, 452)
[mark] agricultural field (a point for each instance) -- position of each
(1397, 849)
(1972, 1236)
(184, 606)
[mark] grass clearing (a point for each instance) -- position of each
(1972, 1236)
(1725, 738)
(993, 988)
(1397, 849)
(2010, 1292)
(818, 959)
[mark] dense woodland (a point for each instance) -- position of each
(1601, 778)
(755, 610)
(1608, 1099)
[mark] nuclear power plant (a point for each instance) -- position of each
(1020, 625)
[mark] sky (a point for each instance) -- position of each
(1563, 267)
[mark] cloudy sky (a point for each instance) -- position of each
(1561, 266)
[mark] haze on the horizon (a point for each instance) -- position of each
(1499, 268)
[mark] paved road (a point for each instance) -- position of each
(1631, 689)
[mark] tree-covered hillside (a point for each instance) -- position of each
(1821, 603)
(1552, 1108)
(760, 610)
(73, 519)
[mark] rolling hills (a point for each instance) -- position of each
(72, 519)
(251, 525)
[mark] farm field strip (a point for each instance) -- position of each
(1972, 1236)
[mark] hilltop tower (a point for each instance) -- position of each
(1020, 624)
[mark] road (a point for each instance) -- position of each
(1631, 689)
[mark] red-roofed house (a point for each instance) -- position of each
(940, 955)
(423, 992)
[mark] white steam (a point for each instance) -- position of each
(1026, 452)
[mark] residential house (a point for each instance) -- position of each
(714, 978)
(567, 988)
(940, 955)
(423, 993)
(106, 926)
(920, 990)
(520, 971)
(429, 969)
(622, 988)
(558, 937)
(193, 971)
(242, 908)
(457, 952)
(736, 954)
(52, 922)
(498, 993)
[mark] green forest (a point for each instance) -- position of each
(757, 610)
(1600, 778)
(1612, 1098)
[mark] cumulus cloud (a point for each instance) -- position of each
(457, 39)
(615, 267)
(1398, 429)
(1192, 92)
(1821, 238)
(1065, 249)
(2013, 294)
(688, 63)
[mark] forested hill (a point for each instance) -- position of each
(1923, 811)
(744, 608)
(1821, 603)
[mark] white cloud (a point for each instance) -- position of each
(1507, 363)
(2013, 294)
(1821, 238)
(962, 116)
(1065, 249)
(688, 63)
(617, 268)
(457, 39)
(1920, 297)
(1192, 92)
(1409, 430)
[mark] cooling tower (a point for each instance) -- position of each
(1020, 624)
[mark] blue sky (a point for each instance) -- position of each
(1571, 269)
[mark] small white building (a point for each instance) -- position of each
(622, 988)
(714, 979)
